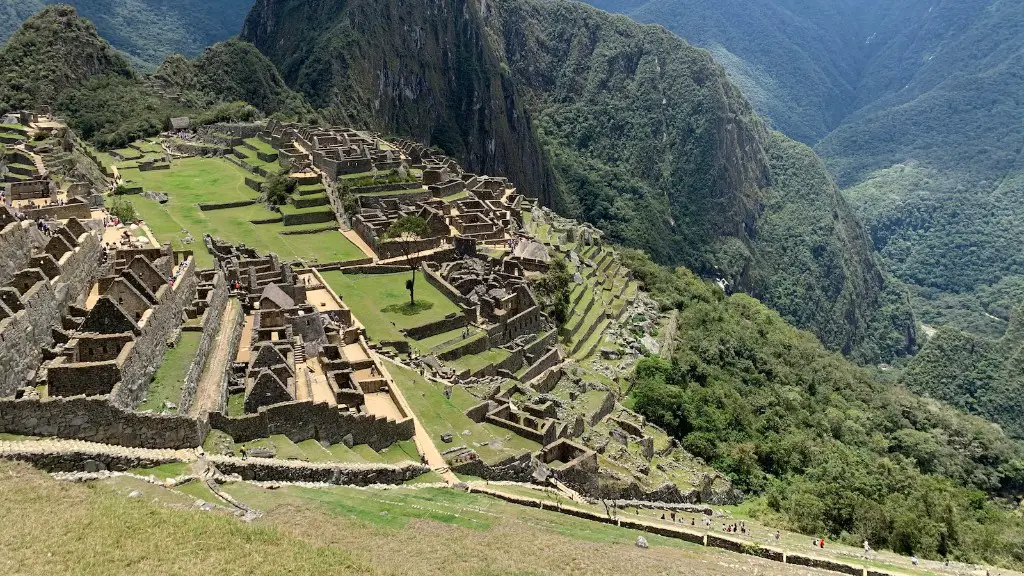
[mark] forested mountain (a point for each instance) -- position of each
(914, 106)
(621, 125)
(146, 30)
(57, 59)
(832, 448)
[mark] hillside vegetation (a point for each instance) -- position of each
(912, 105)
(57, 59)
(618, 124)
(146, 30)
(830, 447)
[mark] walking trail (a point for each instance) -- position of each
(209, 393)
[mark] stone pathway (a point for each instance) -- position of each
(359, 242)
(209, 391)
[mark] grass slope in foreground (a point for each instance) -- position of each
(332, 531)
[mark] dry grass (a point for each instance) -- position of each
(95, 529)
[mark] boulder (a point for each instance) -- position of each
(641, 542)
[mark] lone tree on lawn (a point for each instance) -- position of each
(408, 231)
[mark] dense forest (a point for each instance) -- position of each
(608, 121)
(827, 447)
(147, 31)
(913, 106)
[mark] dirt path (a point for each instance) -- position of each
(356, 239)
(209, 392)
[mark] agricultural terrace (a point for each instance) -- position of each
(192, 181)
(439, 415)
(381, 302)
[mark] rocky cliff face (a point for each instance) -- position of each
(419, 68)
(608, 121)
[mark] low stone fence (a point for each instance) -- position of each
(375, 188)
(270, 470)
(469, 347)
(83, 460)
(96, 420)
(304, 420)
(709, 540)
(207, 206)
(607, 405)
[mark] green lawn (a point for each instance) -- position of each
(260, 145)
(170, 376)
(474, 362)
(438, 415)
(377, 301)
(195, 180)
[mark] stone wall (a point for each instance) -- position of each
(823, 564)
(24, 335)
(267, 470)
(17, 241)
(207, 206)
(447, 324)
(475, 346)
(96, 420)
(151, 345)
(300, 218)
(301, 421)
(211, 324)
(549, 360)
(86, 461)
(607, 405)
(75, 208)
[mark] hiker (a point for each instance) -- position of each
(693, 521)
(243, 451)
(914, 561)
(673, 516)
(867, 548)
(662, 515)
(778, 535)
(821, 543)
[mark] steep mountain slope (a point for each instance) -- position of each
(231, 71)
(51, 53)
(976, 374)
(832, 448)
(912, 104)
(57, 59)
(146, 30)
(621, 125)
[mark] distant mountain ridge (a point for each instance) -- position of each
(915, 107)
(621, 125)
(146, 30)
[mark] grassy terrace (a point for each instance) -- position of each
(474, 362)
(260, 145)
(438, 415)
(214, 180)
(380, 302)
(167, 381)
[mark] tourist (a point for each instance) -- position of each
(243, 452)
(778, 535)
(867, 548)
(821, 543)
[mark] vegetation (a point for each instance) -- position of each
(976, 374)
(122, 209)
(277, 189)
(145, 30)
(408, 231)
(554, 290)
(832, 448)
(192, 181)
(233, 71)
(621, 125)
(380, 305)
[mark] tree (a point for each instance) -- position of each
(277, 189)
(554, 290)
(408, 231)
(122, 209)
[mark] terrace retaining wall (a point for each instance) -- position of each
(96, 420)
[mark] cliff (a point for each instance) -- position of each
(609, 121)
